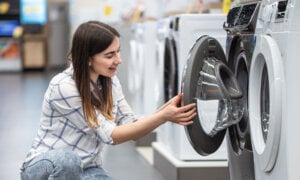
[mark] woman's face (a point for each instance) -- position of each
(106, 62)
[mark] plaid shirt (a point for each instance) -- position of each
(63, 125)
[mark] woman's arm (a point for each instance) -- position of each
(168, 112)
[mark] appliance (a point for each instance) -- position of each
(162, 32)
(274, 92)
(10, 55)
(185, 30)
(150, 67)
(33, 12)
(210, 76)
(135, 70)
(10, 31)
(33, 15)
(8, 27)
(58, 26)
(144, 72)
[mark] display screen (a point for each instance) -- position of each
(7, 27)
(9, 7)
(10, 50)
(34, 12)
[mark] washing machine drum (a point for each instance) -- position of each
(208, 82)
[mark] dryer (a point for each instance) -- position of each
(214, 76)
(185, 30)
(274, 92)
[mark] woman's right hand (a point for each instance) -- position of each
(171, 111)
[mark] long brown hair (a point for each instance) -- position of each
(89, 39)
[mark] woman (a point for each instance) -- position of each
(84, 109)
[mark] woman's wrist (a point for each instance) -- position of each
(159, 115)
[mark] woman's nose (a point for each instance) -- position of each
(118, 59)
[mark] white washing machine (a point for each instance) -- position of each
(219, 80)
(185, 30)
(162, 34)
(142, 68)
(135, 70)
(274, 92)
(151, 67)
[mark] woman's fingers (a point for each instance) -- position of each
(185, 123)
(186, 117)
(187, 120)
(187, 107)
(187, 113)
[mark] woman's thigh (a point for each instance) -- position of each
(54, 164)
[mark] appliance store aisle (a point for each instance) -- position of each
(21, 97)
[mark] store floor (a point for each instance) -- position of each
(21, 97)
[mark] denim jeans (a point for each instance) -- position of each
(60, 165)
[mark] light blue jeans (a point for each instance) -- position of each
(60, 165)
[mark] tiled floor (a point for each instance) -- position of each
(21, 97)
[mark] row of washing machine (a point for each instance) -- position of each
(241, 70)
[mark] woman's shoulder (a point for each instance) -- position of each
(63, 77)
(115, 81)
(63, 82)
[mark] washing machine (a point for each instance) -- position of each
(142, 68)
(136, 69)
(162, 34)
(274, 92)
(219, 80)
(151, 66)
(185, 30)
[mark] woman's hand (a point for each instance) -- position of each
(168, 112)
(180, 115)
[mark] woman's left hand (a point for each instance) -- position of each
(179, 115)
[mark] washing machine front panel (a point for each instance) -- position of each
(265, 101)
(208, 82)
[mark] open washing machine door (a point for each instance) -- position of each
(209, 82)
(265, 100)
